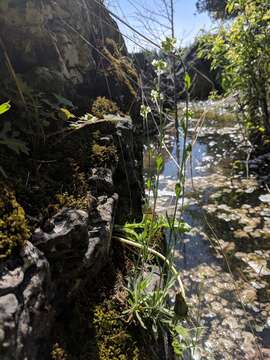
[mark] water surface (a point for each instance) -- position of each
(224, 260)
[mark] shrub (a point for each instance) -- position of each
(14, 229)
(103, 106)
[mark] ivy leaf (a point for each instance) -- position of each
(4, 107)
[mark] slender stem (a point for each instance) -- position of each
(158, 254)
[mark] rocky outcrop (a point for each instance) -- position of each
(70, 248)
(26, 315)
(57, 47)
(77, 245)
(204, 79)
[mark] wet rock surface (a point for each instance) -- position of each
(224, 260)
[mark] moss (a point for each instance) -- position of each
(103, 106)
(105, 156)
(14, 229)
(70, 201)
(121, 67)
(114, 342)
(58, 353)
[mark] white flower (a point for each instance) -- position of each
(160, 66)
(156, 95)
(145, 110)
(169, 45)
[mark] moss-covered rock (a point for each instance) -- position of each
(14, 231)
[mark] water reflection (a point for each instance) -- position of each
(226, 208)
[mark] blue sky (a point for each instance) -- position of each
(187, 22)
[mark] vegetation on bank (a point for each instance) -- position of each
(241, 49)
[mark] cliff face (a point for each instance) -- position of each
(57, 46)
(42, 282)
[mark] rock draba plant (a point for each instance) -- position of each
(151, 308)
(241, 50)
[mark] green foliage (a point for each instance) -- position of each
(14, 230)
(242, 51)
(103, 106)
(114, 342)
(146, 231)
(104, 156)
(150, 309)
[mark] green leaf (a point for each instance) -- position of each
(182, 331)
(16, 145)
(178, 190)
(230, 7)
(148, 184)
(67, 114)
(4, 107)
(187, 81)
(140, 320)
(177, 347)
(159, 163)
(63, 101)
(180, 306)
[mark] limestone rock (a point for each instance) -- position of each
(25, 313)
(101, 180)
(63, 234)
(56, 45)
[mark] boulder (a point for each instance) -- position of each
(204, 79)
(56, 46)
(26, 315)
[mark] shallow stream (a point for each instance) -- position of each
(225, 259)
